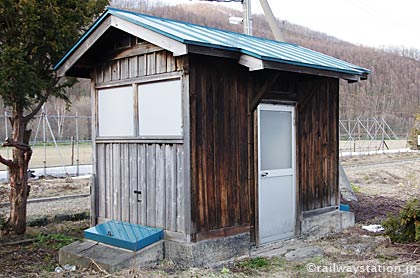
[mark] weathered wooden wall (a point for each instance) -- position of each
(146, 64)
(317, 143)
(157, 170)
(155, 166)
(220, 160)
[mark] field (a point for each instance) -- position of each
(383, 184)
(53, 155)
(371, 145)
(85, 152)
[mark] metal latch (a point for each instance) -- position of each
(264, 174)
(138, 192)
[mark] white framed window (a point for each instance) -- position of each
(116, 112)
(160, 108)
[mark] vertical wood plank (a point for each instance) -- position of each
(142, 65)
(235, 132)
(116, 70)
(134, 67)
(101, 178)
(180, 196)
(161, 62)
(108, 181)
(170, 183)
(225, 153)
(116, 200)
(242, 155)
(151, 63)
(99, 74)
(184, 175)
(107, 72)
(142, 181)
(170, 63)
(125, 183)
(160, 187)
(336, 141)
(124, 68)
(207, 149)
(200, 129)
(133, 184)
(151, 184)
(179, 63)
(193, 96)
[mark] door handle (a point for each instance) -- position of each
(138, 192)
(264, 174)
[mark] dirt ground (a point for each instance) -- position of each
(50, 187)
(381, 189)
(383, 184)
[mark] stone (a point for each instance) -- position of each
(347, 219)
(320, 225)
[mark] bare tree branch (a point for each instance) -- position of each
(7, 162)
(38, 106)
(10, 143)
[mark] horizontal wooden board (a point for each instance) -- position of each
(147, 64)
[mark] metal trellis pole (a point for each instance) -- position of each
(77, 144)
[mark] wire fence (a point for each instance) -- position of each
(369, 136)
(56, 140)
(65, 140)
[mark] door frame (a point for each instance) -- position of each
(275, 107)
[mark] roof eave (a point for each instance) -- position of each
(254, 63)
(101, 26)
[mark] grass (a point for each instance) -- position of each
(355, 188)
(255, 265)
(54, 241)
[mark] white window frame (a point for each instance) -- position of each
(136, 134)
(163, 102)
(130, 125)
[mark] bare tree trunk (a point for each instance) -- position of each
(19, 189)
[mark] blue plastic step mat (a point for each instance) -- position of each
(124, 235)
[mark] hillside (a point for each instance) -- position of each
(391, 92)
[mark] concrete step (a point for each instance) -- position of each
(109, 258)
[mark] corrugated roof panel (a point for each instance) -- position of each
(260, 48)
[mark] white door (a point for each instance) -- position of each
(276, 163)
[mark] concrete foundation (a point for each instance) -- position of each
(208, 252)
(319, 225)
(110, 258)
(186, 254)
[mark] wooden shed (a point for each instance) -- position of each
(214, 136)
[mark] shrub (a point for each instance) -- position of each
(414, 132)
(54, 241)
(404, 227)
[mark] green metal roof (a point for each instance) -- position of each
(260, 48)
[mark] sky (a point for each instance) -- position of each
(374, 23)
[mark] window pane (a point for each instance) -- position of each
(160, 108)
(276, 140)
(116, 112)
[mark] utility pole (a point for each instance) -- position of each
(272, 22)
(247, 17)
